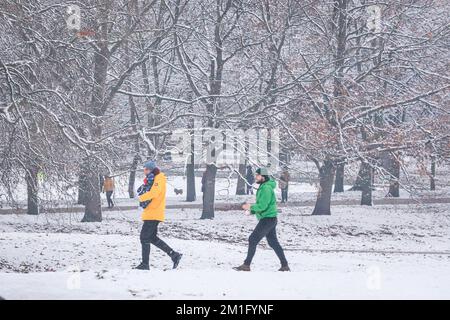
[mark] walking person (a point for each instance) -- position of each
(108, 187)
(250, 177)
(265, 210)
(284, 184)
(152, 197)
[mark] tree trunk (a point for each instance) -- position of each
(210, 191)
(82, 187)
(340, 29)
(393, 168)
(132, 178)
(241, 183)
(339, 182)
(32, 190)
(136, 158)
(366, 195)
(433, 175)
(191, 194)
(326, 177)
(93, 208)
(190, 183)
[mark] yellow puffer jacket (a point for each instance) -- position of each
(157, 194)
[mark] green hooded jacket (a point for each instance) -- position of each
(266, 201)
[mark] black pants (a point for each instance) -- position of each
(284, 195)
(109, 199)
(265, 228)
(149, 235)
(249, 189)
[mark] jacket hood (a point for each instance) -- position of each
(271, 183)
(161, 175)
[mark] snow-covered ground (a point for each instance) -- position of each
(382, 252)
(204, 274)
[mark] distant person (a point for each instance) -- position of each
(152, 197)
(108, 187)
(250, 177)
(266, 212)
(284, 184)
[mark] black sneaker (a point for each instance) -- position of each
(176, 257)
(142, 266)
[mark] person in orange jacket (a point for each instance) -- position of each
(153, 214)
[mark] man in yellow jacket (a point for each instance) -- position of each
(153, 214)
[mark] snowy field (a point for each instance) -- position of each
(383, 252)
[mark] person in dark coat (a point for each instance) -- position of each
(284, 184)
(250, 177)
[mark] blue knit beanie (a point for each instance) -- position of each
(150, 165)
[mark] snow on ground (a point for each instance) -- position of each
(323, 276)
(379, 252)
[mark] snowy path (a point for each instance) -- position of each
(205, 273)
(380, 252)
(227, 206)
(418, 228)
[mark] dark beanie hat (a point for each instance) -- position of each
(262, 171)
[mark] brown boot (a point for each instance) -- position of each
(243, 267)
(285, 268)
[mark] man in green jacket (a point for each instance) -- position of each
(265, 210)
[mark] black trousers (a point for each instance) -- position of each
(266, 227)
(149, 235)
(249, 189)
(284, 195)
(109, 199)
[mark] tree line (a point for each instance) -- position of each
(99, 86)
